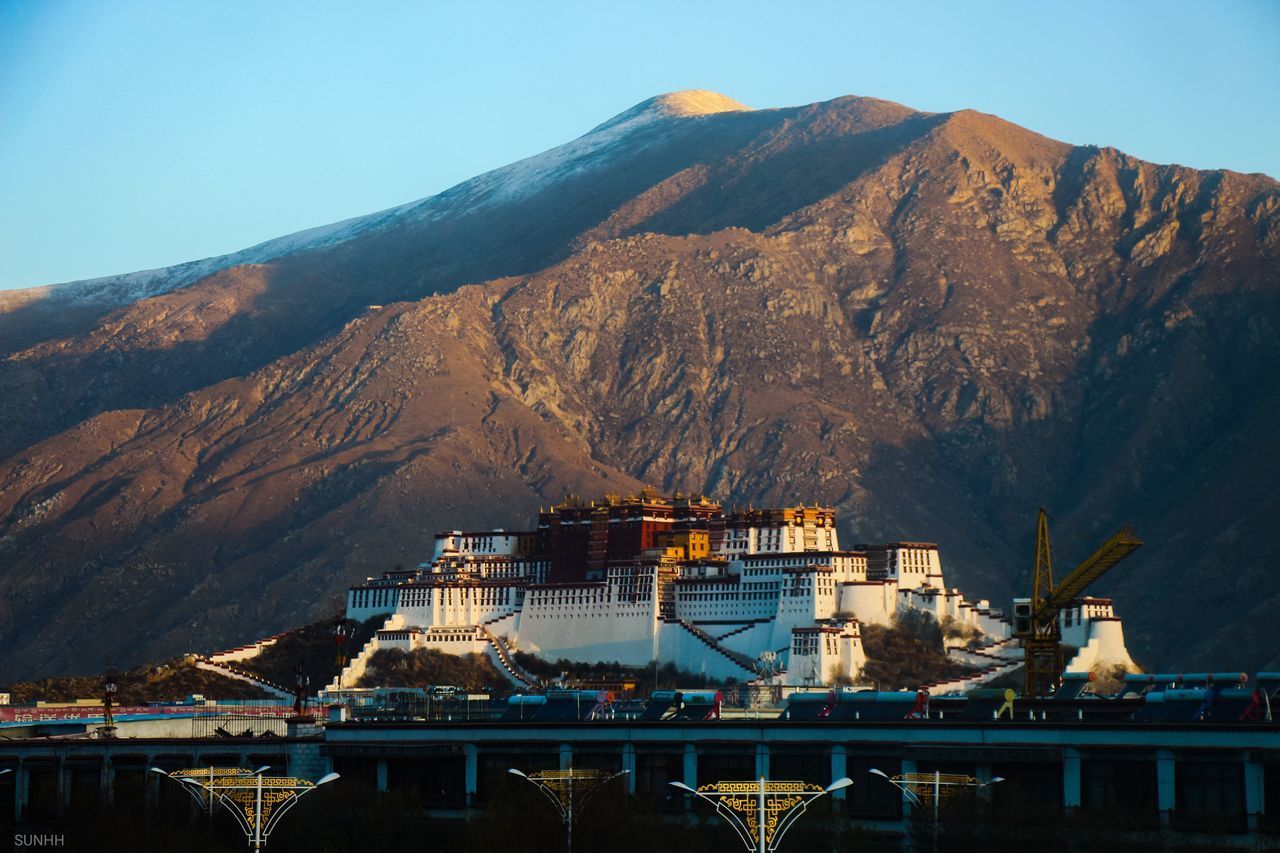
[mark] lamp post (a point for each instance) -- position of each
(559, 786)
(762, 811)
(919, 787)
(195, 780)
(257, 801)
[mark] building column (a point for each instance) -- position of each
(762, 761)
(472, 753)
(107, 782)
(629, 766)
(908, 766)
(839, 767)
(1071, 793)
(983, 774)
(1253, 791)
(21, 785)
(382, 776)
(1166, 793)
(62, 786)
(150, 788)
(566, 756)
(691, 765)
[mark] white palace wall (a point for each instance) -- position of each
(585, 623)
(738, 604)
(678, 645)
(870, 602)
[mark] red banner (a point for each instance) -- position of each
(17, 714)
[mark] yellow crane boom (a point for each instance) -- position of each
(1036, 619)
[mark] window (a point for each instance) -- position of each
(1125, 790)
(1210, 795)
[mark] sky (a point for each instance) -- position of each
(142, 133)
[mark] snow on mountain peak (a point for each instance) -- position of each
(697, 102)
(687, 103)
(641, 125)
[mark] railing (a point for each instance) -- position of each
(237, 725)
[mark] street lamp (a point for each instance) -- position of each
(257, 801)
(922, 787)
(762, 811)
(194, 781)
(559, 787)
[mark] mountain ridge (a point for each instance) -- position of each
(934, 322)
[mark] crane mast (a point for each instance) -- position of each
(1036, 620)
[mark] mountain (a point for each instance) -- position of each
(934, 322)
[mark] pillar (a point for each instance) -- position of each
(908, 766)
(1253, 791)
(839, 767)
(1165, 791)
(382, 776)
(629, 766)
(150, 787)
(1071, 794)
(691, 765)
(472, 753)
(566, 756)
(107, 782)
(21, 789)
(62, 786)
(762, 761)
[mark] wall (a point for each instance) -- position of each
(676, 644)
(584, 623)
(1104, 647)
(870, 602)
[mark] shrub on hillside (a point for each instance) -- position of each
(429, 667)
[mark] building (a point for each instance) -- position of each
(680, 580)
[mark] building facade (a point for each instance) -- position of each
(679, 580)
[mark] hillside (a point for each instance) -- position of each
(934, 322)
(173, 680)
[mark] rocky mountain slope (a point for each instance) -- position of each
(935, 322)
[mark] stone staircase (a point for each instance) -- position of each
(228, 671)
(999, 652)
(248, 651)
(993, 661)
(503, 657)
(975, 680)
(737, 658)
(747, 627)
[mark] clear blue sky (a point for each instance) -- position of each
(136, 134)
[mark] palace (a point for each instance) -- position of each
(680, 580)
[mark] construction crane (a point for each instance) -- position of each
(1036, 620)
